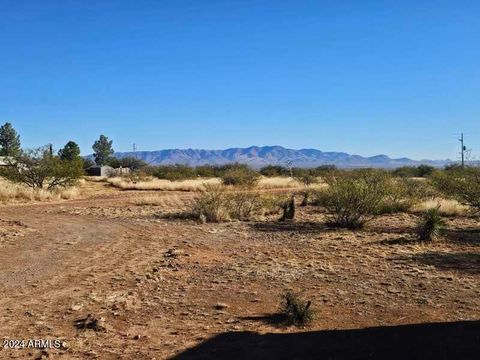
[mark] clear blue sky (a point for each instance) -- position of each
(366, 77)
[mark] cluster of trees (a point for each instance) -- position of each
(41, 168)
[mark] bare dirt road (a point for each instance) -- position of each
(157, 287)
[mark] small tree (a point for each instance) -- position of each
(9, 141)
(71, 151)
(38, 169)
(103, 150)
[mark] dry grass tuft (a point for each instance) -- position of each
(286, 182)
(445, 207)
(11, 192)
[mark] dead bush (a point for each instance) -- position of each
(218, 204)
(243, 205)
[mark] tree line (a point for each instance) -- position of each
(41, 167)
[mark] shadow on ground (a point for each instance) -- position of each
(464, 236)
(296, 227)
(468, 262)
(459, 340)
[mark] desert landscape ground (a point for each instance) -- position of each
(111, 276)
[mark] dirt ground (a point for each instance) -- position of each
(156, 287)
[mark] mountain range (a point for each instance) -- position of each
(259, 156)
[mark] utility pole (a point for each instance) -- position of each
(463, 150)
(134, 150)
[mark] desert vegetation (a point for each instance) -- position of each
(212, 249)
(296, 311)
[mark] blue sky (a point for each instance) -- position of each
(395, 77)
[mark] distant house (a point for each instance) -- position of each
(100, 170)
(5, 161)
(105, 170)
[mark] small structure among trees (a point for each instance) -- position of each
(100, 170)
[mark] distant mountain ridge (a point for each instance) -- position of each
(259, 156)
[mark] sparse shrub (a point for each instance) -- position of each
(307, 179)
(274, 171)
(272, 204)
(324, 170)
(173, 172)
(355, 197)
(297, 312)
(431, 226)
(414, 171)
(404, 193)
(217, 204)
(307, 195)
(211, 205)
(137, 176)
(243, 205)
(240, 176)
(461, 184)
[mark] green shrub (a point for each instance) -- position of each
(296, 311)
(414, 171)
(243, 205)
(307, 179)
(173, 172)
(431, 226)
(240, 176)
(353, 198)
(461, 184)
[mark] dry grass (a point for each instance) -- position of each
(278, 182)
(166, 185)
(11, 192)
(95, 178)
(199, 184)
(287, 182)
(446, 207)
